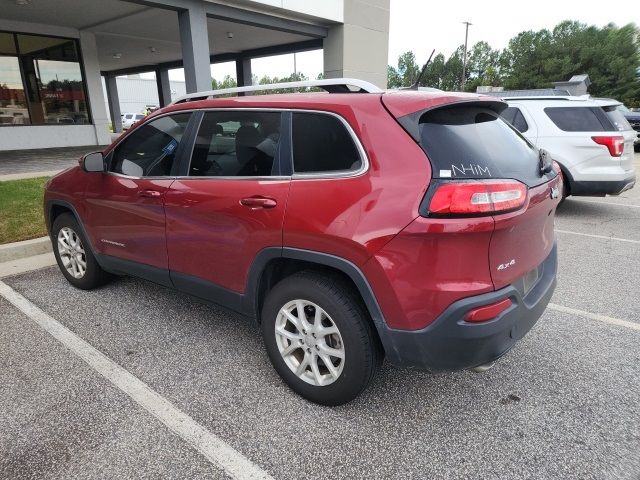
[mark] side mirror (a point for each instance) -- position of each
(93, 162)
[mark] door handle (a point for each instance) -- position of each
(258, 202)
(149, 193)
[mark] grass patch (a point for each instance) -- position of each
(21, 215)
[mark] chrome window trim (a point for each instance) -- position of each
(328, 175)
(261, 178)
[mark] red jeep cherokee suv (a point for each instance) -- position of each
(351, 226)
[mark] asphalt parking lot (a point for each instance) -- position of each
(564, 403)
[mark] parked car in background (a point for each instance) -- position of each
(633, 117)
(590, 139)
(128, 119)
(350, 226)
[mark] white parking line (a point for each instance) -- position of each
(617, 239)
(212, 447)
(595, 316)
(617, 204)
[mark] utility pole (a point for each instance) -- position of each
(464, 62)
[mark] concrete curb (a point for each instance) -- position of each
(28, 264)
(27, 248)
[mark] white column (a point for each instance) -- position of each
(359, 48)
(94, 87)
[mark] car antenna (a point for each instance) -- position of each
(416, 84)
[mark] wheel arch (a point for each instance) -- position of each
(55, 208)
(273, 264)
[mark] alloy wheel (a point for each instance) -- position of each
(310, 342)
(72, 252)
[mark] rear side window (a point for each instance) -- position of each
(579, 119)
(514, 116)
(237, 144)
(617, 118)
(474, 142)
(322, 143)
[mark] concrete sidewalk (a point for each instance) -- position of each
(21, 162)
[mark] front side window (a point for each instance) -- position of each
(237, 144)
(150, 151)
(321, 143)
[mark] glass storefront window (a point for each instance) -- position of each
(41, 81)
(13, 104)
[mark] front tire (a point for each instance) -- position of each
(319, 339)
(74, 255)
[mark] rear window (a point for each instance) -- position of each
(616, 117)
(579, 119)
(474, 142)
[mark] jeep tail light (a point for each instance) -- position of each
(487, 312)
(480, 197)
(614, 143)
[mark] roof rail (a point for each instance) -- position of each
(331, 85)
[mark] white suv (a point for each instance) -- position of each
(588, 137)
(128, 119)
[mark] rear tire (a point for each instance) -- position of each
(331, 353)
(74, 256)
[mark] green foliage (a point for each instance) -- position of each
(610, 55)
(227, 82)
(21, 216)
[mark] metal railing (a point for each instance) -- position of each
(331, 85)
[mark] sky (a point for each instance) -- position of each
(422, 25)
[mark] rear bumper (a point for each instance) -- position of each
(450, 343)
(601, 188)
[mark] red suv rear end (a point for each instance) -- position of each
(411, 226)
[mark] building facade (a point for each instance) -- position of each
(58, 58)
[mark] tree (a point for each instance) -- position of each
(535, 59)
(394, 79)
(483, 67)
(434, 75)
(453, 70)
(227, 82)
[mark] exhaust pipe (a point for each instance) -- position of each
(483, 368)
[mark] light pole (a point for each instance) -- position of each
(464, 61)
